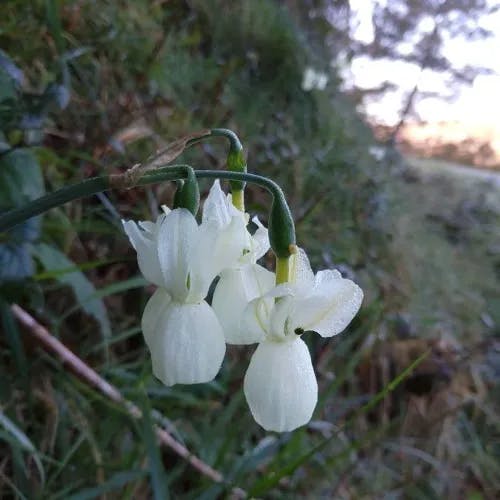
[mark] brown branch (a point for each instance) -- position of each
(91, 377)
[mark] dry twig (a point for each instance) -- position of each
(91, 377)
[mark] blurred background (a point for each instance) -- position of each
(380, 121)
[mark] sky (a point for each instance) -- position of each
(478, 104)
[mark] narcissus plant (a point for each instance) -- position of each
(186, 335)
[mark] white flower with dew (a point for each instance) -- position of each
(242, 282)
(182, 258)
(280, 385)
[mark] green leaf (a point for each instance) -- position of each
(20, 178)
(13, 337)
(10, 74)
(85, 292)
(117, 481)
(121, 286)
(268, 482)
(15, 251)
(19, 438)
(7, 89)
(156, 469)
(54, 22)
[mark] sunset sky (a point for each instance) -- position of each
(478, 105)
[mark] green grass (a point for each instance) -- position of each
(156, 71)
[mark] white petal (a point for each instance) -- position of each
(217, 249)
(145, 244)
(188, 347)
(260, 240)
(301, 272)
(217, 208)
(279, 318)
(155, 307)
(330, 307)
(235, 289)
(177, 239)
(255, 320)
(280, 385)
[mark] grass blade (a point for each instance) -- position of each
(156, 469)
(271, 480)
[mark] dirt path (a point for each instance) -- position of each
(444, 225)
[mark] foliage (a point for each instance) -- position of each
(89, 87)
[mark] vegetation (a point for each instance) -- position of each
(408, 399)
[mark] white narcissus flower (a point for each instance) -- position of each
(280, 385)
(243, 282)
(181, 330)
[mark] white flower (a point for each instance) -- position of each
(280, 385)
(181, 257)
(243, 282)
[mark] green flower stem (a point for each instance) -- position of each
(235, 162)
(282, 270)
(238, 196)
(281, 225)
(85, 188)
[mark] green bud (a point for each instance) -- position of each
(177, 196)
(188, 193)
(281, 229)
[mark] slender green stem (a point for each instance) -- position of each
(99, 184)
(238, 199)
(85, 188)
(281, 227)
(234, 140)
(235, 163)
(282, 270)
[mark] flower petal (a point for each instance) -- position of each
(279, 318)
(155, 307)
(301, 271)
(188, 347)
(144, 242)
(177, 240)
(255, 320)
(260, 240)
(216, 249)
(217, 208)
(280, 385)
(235, 289)
(330, 307)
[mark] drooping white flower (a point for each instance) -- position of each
(181, 330)
(242, 282)
(280, 385)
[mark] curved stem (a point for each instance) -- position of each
(85, 188)
(235, 163)
(281, 227)
(234, 140)
(103, 183)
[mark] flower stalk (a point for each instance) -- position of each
(282, 270)
(281, 225)
(235, 160)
